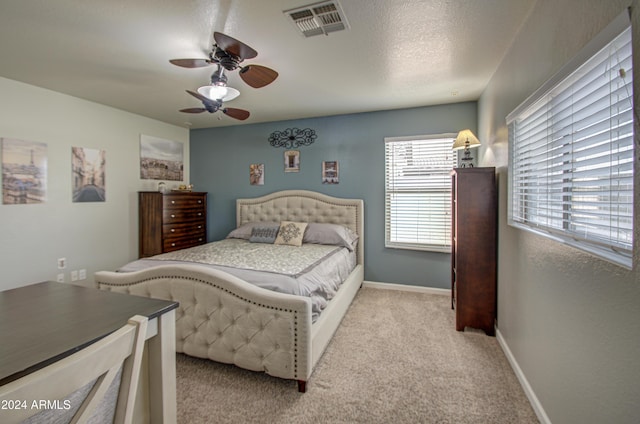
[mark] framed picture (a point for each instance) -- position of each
(87, 169)
(292, 161)
(330, 172)
(256, 174)
(161, 159)
(24, 171)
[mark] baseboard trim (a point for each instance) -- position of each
(406, 287)
(533, 399)
(531, 396)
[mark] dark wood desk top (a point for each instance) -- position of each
(45, 322)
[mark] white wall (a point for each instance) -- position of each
(570, 320)
(91, 236)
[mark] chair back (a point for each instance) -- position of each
(97, 383)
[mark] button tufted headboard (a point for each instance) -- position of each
(304, 206)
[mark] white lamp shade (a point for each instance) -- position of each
(461, 140)
(218, 92)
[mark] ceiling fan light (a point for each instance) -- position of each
(217, 92)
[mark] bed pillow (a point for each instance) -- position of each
(291, 233)
(244, 231)
(264, 233)
(333, 234)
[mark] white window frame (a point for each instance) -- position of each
(419, 224)
(571, 155)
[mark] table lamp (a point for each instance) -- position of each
(466, 140)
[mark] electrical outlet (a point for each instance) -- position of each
(74, 275)
(60, 278)
(62, 263)
(82, 274)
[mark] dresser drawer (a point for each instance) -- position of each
(183, 201)
(172, 216)
(188, 229)
(171, 244)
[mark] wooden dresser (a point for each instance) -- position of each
(171, 221)
(474, 248)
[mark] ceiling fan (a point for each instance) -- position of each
(227, 53)
(212, 106)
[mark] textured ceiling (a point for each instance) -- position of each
(396, 53)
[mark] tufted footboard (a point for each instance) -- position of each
(226, 319)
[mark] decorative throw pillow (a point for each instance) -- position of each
(291, 233)
(333, 234)
(264, 233)
(244, 231)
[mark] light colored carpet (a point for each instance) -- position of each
(396, 358)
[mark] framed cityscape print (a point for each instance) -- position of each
(161, 159)
(24, 171)
(88, 174)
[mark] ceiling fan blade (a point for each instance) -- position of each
(198, 96)
(240, 114)
(258, 76)
(233, 46)
(191, 63)
(193, 110)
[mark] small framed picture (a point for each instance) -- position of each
(292, 161)
(330, 172)
(88, 172)
(256, 174)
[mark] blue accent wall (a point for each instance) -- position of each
(220, 159)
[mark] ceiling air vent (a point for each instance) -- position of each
(318, 18)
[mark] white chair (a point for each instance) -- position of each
(56, 393)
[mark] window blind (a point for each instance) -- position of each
(571, 154)
(418, 192)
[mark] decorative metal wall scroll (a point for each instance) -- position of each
(292, 138)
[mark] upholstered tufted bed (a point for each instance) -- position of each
(227, 319)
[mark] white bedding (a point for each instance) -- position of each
(311, 270)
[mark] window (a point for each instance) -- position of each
(418, 192)
(571, 152)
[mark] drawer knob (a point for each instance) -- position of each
(173, 202)
(199, 213)
(199, 201)
(173, 216)
(173, 245)
(199, 227)
(173, 230)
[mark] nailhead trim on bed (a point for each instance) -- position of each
(182, 308)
